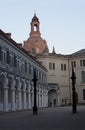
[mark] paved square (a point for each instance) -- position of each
(57, 118)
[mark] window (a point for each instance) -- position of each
(82, 63)
(83, 76)
(73, 63)
(63, 67)
(35, 28)
(25, 67)
(8, 57)
(83, 94)
(51, 66)
(4, 56)
(18, 64)
(29, 69)
(0, 53)
(15, 61)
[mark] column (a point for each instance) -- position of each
(42, 97)
(13, 99)
(6, 99)
(24, 92)
(24, 95)
(29, 96)
(19, 93)
(58, 98)
(39, 97)
(32, 95)
(47, 98)
(13, 95)
(6, 95)
(24, 99)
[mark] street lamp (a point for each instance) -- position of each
(34, 80)
(73, 91)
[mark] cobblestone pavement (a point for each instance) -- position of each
(57, 118)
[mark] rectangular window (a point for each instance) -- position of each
(80, 63)
(0, 53)
(15, 61)
(83, 62)
(53, 66)
(61, 66)
(25, 67)
(75, 64)
(65, 67)
(4, 57)
(49, 66)
(83, 94)
(8, 57)
(83, 76)
(71, 64)
(18, 64)
(29, 69)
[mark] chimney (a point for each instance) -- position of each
(8, 35)
(19, 45)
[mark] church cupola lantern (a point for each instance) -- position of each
(35, 27)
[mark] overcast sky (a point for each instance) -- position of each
(62, 22)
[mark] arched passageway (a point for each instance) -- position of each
(52, 98)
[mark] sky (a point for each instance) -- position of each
(62, 22)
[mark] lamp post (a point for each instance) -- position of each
(34, 80)
(73, 91)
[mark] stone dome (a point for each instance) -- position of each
(35, 43)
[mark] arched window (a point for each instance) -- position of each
(83, 76)
(35, 28)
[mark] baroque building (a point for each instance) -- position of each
(35, 44)
(59, 68)
(16, 74)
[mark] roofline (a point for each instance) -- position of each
(21, 48)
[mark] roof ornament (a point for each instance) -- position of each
(53, 50)
(34, 13)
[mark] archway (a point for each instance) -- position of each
(3, 85)
(17, 90)
(52, 98)
(1, 93)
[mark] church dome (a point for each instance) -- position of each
(35, 43)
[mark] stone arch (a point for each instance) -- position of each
(3, 85)
(52, 98)
(3, 77)
(11, 88)
(17, 92)
(23, 93)
(27, 94)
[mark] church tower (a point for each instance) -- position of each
(35, 44)
(35, 32)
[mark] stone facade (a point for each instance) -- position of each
(16, 74)
(59, 69)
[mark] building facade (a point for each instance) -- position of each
(16, 74)
(59, 68)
